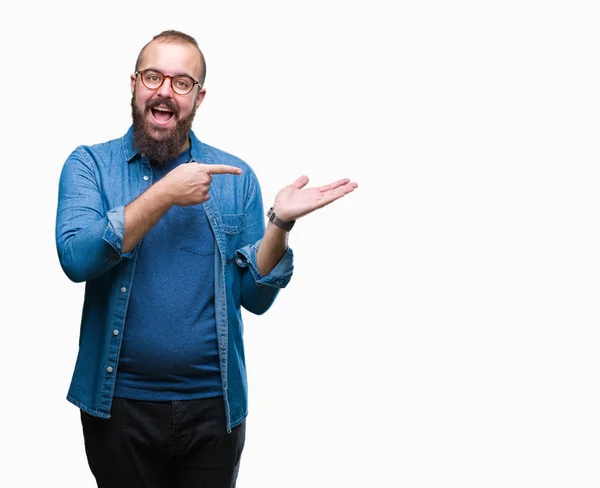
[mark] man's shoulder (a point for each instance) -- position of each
(222, 155)
(102, 149)
(213, 155)
(116, 142)
(101, 158)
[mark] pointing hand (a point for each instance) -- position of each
(189, 184)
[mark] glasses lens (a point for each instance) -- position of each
(182, 84)
(152, 79)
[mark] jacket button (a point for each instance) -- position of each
(109, 369)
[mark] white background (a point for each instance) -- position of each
(441, 328)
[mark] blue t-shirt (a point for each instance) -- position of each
(169, 349)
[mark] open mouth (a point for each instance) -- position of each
(162, 115)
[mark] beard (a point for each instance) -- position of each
(169, 143)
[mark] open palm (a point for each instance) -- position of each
(295, 201)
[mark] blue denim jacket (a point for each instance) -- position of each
(96, 183)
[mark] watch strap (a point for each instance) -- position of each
(278, 222)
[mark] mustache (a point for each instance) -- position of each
(155, 102)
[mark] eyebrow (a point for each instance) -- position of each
(160, 71)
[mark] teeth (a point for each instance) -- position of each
(161, 109)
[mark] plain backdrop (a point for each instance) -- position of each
(441, 328)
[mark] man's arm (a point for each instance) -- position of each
(291, 203)
(187, 184)
(143, 213)
(90, 241)
(87, 233)
(271, 249)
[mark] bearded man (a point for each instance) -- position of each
(169, 236)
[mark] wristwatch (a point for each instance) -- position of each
(278, 222)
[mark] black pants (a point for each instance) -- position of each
(175, 444)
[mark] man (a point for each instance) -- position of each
(169, 235)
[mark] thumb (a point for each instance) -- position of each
(300, 182)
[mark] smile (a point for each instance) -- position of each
(161, 115)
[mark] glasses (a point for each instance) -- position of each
(153, 80)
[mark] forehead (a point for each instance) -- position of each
(171, 58)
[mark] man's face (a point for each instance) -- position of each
(162, 118)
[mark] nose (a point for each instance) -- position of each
(165, 90)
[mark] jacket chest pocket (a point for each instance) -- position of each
(232, 228)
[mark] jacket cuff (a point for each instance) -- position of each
(279, 276)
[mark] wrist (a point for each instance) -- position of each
(281, 213)
(164, 193)
(279, 221)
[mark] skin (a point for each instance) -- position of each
(189, 184)
(171, 59)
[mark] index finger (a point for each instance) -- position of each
(219, 169)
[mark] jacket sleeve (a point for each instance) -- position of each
(88, 237)
(259, 292)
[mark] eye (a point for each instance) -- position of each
(152, 77)
(182, 83)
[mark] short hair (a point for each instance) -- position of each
(176, 37)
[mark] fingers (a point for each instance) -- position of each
(338, 192)
(347, 188)
(333, 185)
(219, 169)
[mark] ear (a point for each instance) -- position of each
(133, 78)
(200, 96)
